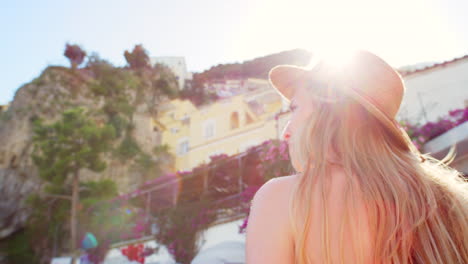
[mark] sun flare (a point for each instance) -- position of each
(335, 57)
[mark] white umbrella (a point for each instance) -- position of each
(228, 252)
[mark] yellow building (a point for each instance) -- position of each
(3, 108)
(230, 126)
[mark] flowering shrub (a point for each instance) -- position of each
(179, 228)
(422, 134)
(113, 222)
(223, 177)
(134, 253)
(247, 196)
(75, 54)
(180, 206)
(274, 160)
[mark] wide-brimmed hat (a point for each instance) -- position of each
(365, 78)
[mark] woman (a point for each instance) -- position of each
(362, 193)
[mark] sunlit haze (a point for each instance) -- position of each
(210, 32)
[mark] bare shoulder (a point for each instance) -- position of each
(285, 181)
(271, 201)
(268, 235)
(278, 188)
(289, 180)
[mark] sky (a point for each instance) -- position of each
(33, 33)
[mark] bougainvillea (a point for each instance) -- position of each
(179, 228)
(422, 134)
(134, 253)
(224, 176)
(181, 207)
(113, 222)
(75, 54)
(274, 159)
(247, 196)
(138, 58)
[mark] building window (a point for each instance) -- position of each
(209, 129)
(234, 120)
(174, 130)
(248, 119)
(183, 147)
(185, 120)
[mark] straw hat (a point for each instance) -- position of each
(365, 77)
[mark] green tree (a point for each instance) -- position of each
(45, 233)
(66, 146)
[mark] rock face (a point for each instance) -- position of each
(15, 186)
(47, 96)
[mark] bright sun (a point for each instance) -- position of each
(399, 31)
(335, 57)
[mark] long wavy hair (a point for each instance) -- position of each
(417, 206)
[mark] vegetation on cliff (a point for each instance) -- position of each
(112, 97)
(256, 68)
(64, 148)
(76, 115)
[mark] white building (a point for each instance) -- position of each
(177, 65)
(433, 91)
(232, 87)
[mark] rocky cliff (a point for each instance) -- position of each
(117, 95)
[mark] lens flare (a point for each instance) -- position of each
(334, 57)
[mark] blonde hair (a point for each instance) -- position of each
(429, 223)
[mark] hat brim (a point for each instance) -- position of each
(286, 78)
